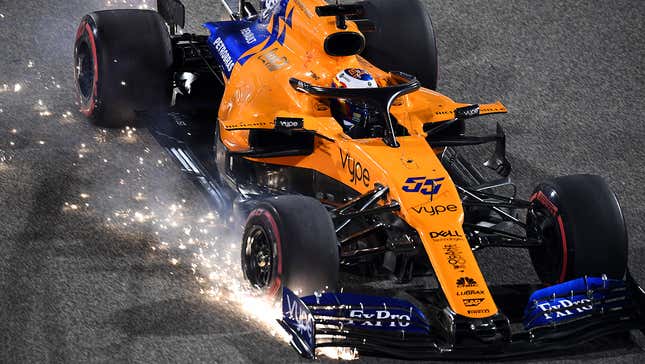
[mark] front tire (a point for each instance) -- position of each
(290, 241)
(123, 61)
(582, 228)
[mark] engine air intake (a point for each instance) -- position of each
(343, 44)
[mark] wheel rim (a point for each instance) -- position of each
(85, 71)
(258, 257)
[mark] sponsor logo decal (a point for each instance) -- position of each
(565, 308)
(434, 210)
(465, 282)
(277, 11)
(454, 256)
(289, 123)
(298, 314)
(273, 61)
(470, 292)
(249, 37)
(477, 312)
(575, 299)
(445, 235)
(224, 54)
(424, 185)
(472, 302)
(467, 112)
(357, 172)
(375, 318)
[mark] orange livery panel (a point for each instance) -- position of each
(258, 92)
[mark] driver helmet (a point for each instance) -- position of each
(354, 114)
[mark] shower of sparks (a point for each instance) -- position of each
(42, 109)
(337, 353)
(83, 151)
(70, 206)
(67, 118)
(129, 135)
(186, 239)
(200, 242)
(101, 137)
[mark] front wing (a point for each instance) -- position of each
(555, 318)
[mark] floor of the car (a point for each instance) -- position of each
(188, 137)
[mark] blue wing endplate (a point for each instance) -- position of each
(575, 300)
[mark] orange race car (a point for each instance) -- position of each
(319, 126)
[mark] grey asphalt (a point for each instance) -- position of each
(84, 278)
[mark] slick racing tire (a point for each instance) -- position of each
(290, 241)
(582, 228)
(123, 62)
(404, 39)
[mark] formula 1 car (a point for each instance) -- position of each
(318, 124)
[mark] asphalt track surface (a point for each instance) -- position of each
(84, 278)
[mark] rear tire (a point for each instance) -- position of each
(123, 61)
(404, 39)
(290, 241)
(583, 229)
